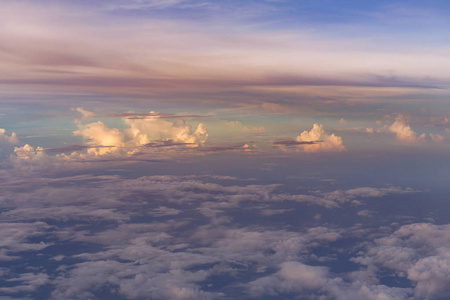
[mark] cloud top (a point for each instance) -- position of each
(321, 140)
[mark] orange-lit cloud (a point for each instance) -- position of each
(326, 142)
(403, 131)
(140, 132)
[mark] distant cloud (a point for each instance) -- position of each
(240, 127)
(328, 142)
(236, 147)
(99, 134)
(29, 153)
(86, 115)
(436, 138)
(8, 140)
(403, 131)
(146, 131)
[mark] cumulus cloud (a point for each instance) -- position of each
(293, 277)
(419, 252)
(8, 140)
(175, 237)
(403, 131)
(142, 131)
(29, 153)
(99, 134)
(153, 131)
(325, 141)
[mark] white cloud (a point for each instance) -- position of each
(29, 153)
(292, 277)
(324, 142)
(145, 130)
(102, 140)
(14, 237)
(86, 115)
(419, 252)
(179, 248)
(403, 131)
(29, 282)
(141, 131)
(98, 134)
(8, 140)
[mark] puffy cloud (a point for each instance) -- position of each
(176, 237)
(144, 133)
(86, 115)
(382, 292)
(144, 130)
(7, 143)
(432, 275)
(29, 282)
(420, 252)
(141, 131)
(29, 153)
(403, 131)
(324, 141)
(98, 134)
(8, 140)
(293, 277)
(14, 237)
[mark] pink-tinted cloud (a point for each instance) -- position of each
(8, 140)
(403, 131)
(328, 142)
(67, 50)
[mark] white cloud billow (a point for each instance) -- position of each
(141, 131)
(29, 153)
(403, 131)
(324, 142)
(419, 252)
(8, 140)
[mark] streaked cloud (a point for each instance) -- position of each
(165, 57)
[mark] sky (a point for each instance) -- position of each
(189, 149)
